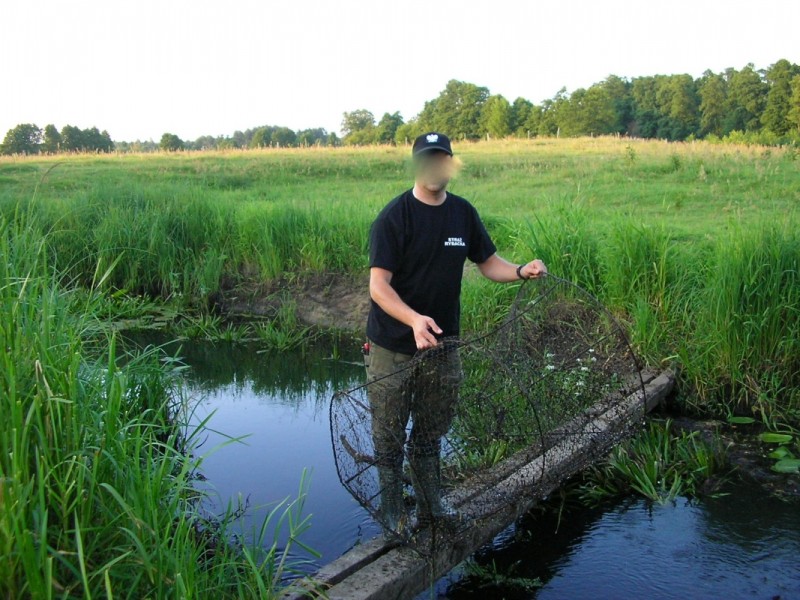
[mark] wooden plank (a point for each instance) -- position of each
(376, 571)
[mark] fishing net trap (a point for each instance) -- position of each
(529, 400)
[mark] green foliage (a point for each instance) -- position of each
(75, 139)
(456, 111)
(98, 495)
(693, 246)
(776, 111)
(386, 130)
(793, 116)
(520, 113)
(22, 139)
(658, 464)
(171, 143)
(747, 96)
(713, 92)
(588, 112)
(496, 117)
(671, 107)
(358, 127)
(52, 140)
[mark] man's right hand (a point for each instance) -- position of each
(424, 329)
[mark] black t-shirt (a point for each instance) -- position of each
(425, 248)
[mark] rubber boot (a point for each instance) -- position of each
(431, 508)
(392, 510)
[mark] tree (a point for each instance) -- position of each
(495, 117)
(205, 142)
(71, 138)
(261, 138)
(793, 114)
(52, 140)
(776, 109)
(75, 139)
(312, 137)
(408, 132)
(387, 128)
(97, 141)
(357, 121)
(747, 95)
(545, 118)
(456, 111)
(520, 112)
(618, 91)
(713, 98)
(533, 124)
(284, 137)
(171, 143)
(588, 112)
(645, 107)
(677, 97)
(22, 139)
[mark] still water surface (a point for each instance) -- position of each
(742, 545)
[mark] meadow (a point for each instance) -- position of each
(694, 246)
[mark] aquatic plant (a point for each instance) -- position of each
(658, 464)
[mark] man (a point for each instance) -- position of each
(418, 245)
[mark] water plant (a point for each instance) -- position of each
(659, 464)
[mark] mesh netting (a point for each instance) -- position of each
(511, 412)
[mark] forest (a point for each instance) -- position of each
(749, 105)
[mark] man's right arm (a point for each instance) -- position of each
(385, 296)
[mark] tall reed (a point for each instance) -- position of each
(97, 495)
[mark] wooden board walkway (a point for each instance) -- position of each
(378, 570)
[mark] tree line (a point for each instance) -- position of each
(267, 136)
(27, 138)
(749, 105)
(761, 106)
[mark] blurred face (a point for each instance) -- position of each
(433, 170)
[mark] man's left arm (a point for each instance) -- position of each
(500, 270)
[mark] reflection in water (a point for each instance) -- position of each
(743, 545)
(279, 404)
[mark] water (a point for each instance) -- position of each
(275, 406)
(743, 545)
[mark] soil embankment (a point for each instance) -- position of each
(328, 301)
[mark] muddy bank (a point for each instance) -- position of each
(328, 301)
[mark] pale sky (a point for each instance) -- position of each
(193, 67)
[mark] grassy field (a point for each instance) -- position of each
(695, 246)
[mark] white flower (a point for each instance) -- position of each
(550, 367)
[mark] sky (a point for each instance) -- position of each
(192, 67)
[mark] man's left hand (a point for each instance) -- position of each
(532, 270)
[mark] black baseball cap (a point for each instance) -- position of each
(431, 141)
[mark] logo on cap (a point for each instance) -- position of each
(432, 138)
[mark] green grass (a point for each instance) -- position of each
(97, 479)
(695, 246)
